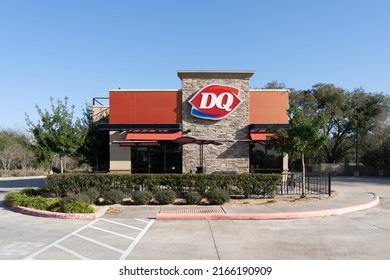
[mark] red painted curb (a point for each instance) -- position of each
(49, 214)
(270, 216)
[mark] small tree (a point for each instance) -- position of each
(15, 152)
(57, 132)
(304, 137)
(94, 150)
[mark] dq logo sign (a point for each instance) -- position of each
(215, 102)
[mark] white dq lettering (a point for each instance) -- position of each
(209, 100)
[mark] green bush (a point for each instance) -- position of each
(113, 196)
(240, 184)
(72, 207)
(192, 197)
(93, 194)
(165, 196)
(33, 191)
(77, 197)
(36, 202)
(16, 198)
(217, 196)
(142, 197)
(39, 203)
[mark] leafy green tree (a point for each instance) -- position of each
(369, 111)
(275, 85)
(14, 150)
(304, 137)
(94, 151)
(348, 113)
(57, 132)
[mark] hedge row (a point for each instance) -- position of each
(235, 184)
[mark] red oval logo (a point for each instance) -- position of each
(215, 102)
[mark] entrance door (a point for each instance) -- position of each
(166, 158)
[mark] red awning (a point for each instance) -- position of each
(136, 143)
(260, 135)
(153, 135)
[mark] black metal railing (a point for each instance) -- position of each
(100, 101)
(315, 183)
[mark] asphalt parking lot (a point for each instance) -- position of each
(133, 234)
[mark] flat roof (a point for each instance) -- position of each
(269, 89)
(214, 74)
(143, 89)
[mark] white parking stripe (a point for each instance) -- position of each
(76, 233)
(112, 232)
(147, 222)
(77, 255)
(30, 257)
(129, 226)
(135, 242)
(99, 243)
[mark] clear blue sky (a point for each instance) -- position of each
(81, 49)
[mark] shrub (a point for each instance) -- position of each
(217, 196)
(33, 191)
(39, 203)
(16, 198)
(72, 207)
(240, 184)
(142, 197)
(76, 197)
(92, 194)
(113, 196)
(21, 199)
(165, 196)
(192, 197)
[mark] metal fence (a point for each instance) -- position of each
(315, 183)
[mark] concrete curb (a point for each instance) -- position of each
(270, 216)
(22, 178)
(48, 214)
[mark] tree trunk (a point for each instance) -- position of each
(61, 164)
(97, 164)
(303, 176)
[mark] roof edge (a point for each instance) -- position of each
(214, 74)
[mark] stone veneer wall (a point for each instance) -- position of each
(229, 157)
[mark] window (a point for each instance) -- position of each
(263, 159)
(166, 158)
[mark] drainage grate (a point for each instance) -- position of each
(194, 210)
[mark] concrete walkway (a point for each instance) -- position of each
(347, 200)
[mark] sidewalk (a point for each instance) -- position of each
(347, 200)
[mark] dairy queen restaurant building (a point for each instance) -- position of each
(215, 123)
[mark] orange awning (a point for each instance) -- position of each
(151, 135)
(260, 135)
(136, 143)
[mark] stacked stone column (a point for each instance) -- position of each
(231, 157)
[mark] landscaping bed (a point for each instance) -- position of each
(83, 193)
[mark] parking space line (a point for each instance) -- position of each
(112, 232)
(77, 234)
(146, 222)
(135, 242)
(99, 243)
(73, 253)
(113, 222)
(30, 257)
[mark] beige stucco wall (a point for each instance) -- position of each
(100, 113)
(119, 156)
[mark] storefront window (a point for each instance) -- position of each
(166, 158)
(264, 159)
